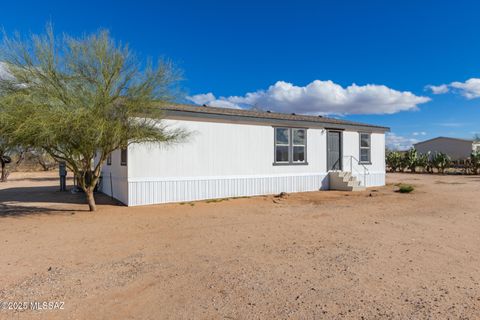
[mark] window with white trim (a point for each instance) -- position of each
(290, 146)
(365, 148)
(109, 160)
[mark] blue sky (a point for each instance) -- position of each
(302, 56)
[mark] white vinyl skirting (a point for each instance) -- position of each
(373, 179)
(147, 191)
(151, 191)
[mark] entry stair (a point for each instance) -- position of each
(344, 181)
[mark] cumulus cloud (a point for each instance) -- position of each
(320, 97)
(443, 88)
(395, 142)
(202, 99)
(470, 89)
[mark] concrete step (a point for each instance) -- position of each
(344, 181)
(359, 188)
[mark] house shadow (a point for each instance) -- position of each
(22, 201)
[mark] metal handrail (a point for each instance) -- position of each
(365, 169)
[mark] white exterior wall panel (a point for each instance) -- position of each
(374, 173)
(221, 149)
(222, 160)
(115, 179)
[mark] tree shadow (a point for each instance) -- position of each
(473, 178)
(15, 210)
(41, 179)
(22, 201)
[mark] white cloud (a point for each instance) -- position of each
(443, 88)
(421, 133)
(220, 103)
(210, 100)
(395, 142)
(4, 74)
(201, 99)
(320, 97)
(470, 89)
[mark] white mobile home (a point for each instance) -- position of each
(233, 153)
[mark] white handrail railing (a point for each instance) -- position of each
(365, 169)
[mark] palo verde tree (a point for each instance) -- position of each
(80, 98)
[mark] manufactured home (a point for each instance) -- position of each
(457, 149)
(233, 153)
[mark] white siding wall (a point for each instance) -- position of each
(220, 149)
(369, 175)
(221, 160)
(476, 147)
(115, 179)
(228, 160)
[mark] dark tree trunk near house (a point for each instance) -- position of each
(3, 178)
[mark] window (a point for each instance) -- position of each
(365, 148)
(282, 145)
(123, 157)
(298, 144)
(290, 146)
(109, 160)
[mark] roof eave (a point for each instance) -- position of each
(198, 115)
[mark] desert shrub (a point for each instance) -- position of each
(474, 163)
(405, 188)
(411, 159)
(441, 161)
(46, 161)
(423, 162)
(394, 160)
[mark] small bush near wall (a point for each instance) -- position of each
(405, 188)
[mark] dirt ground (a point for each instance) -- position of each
(377, 254)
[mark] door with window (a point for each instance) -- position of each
(334, 150)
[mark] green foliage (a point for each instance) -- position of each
(405, 188)
(441, 161)
(394, 160)
(423, 161)
(80, 97)
(474, 162)
(411, 159)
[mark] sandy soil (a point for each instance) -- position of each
(377, 254)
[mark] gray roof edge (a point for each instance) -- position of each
(448, 138)
(266, 118)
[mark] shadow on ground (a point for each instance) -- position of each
(21, 201)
